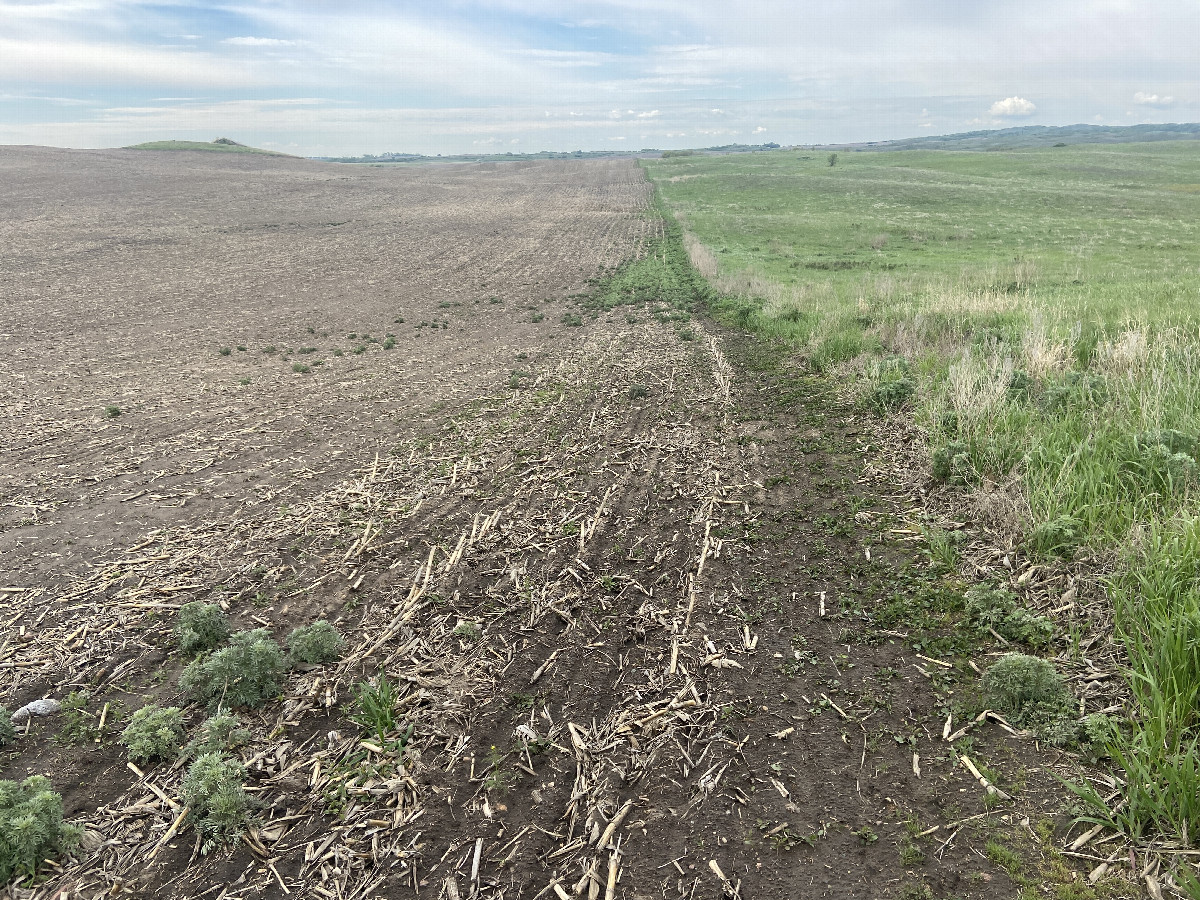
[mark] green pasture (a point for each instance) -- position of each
(1037, 312)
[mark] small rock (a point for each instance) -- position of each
(44, 707)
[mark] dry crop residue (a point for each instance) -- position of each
(588, 556)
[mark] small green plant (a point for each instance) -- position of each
(943, 546)
(1033, 695)
(997, 608)
(375, 706)
(201, 626)
(8, 734)
(77, 723)
(498, 780)
(245, 673)
(953, 465)
(571, 320)
(154, 733)
(218, 734)
(212, 790)
(889, 396)
(243, 381)
(241, 348)
(389, 343)
(270, 348)
(638, 392)
(111, 412)
(301, 368)
(1060, 536)
(225, 351)
(468, 631)
(315, 644)
(31, 826)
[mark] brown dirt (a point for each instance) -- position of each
(593, 558)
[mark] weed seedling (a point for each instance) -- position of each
(111, 412)
(225, 351)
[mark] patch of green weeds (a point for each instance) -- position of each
(8, 734)
(31, 827)
(246, 673)
(571, 320)
(78, 725)
(225, 351)
(111, 412)
(1031, 694)
(220, 734)
(315, 644)
(153, 733)
(997, 608)
(201, 626)
(213, 790)
(301, 368)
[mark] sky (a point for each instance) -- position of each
(348, 77)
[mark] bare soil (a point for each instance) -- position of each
(626, 576)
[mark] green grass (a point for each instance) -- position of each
(201, 145)
(1036, 312)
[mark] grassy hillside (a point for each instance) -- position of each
(1038, 313)
(1041, 136)
(218, 146)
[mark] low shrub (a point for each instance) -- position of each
(953, 465)
(888, 396)
(245, 673)
(998, 609)
(31, 826)
(315, 644)
(8, 734)
(154, 733)
(219, 734)
(1031, 693)
(212, 790)
(201, 626)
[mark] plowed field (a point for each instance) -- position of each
(625, 577)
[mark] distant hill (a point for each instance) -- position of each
(1033, 136)
(220, 145)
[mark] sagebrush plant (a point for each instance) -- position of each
(245, 673)
(31, 826)
(1030, 692)
(154, 732)
(213, 790)
(201, 626)
(315, 644)
(997, 608)
(220, 733)
(8, 734)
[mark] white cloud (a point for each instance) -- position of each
(649, 115)
(259, 42)
(1141, 98)
(759, 130)
(1013, 107)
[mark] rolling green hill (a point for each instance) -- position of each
(220, 145)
